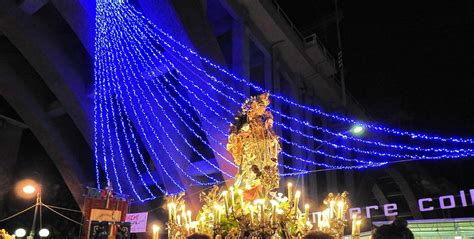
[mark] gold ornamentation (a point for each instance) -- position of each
(252, 207)
(255, 148)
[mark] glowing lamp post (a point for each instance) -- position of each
(29, 189)
(20, 232)
(43, 232)
(26, 189)
(357, 130)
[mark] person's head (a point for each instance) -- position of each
(383, 232)
(400, 223)
(397, 230)
(198, 236)
(317, 235)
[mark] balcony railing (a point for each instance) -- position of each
(311, 39)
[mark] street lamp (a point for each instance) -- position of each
(27, 188)
(43, 232)
(357, 130)
(20, 232)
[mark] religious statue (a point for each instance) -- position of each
(255, 148)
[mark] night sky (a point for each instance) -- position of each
(409, 63)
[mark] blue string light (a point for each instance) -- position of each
(104, 55)
(111, 62)
(214, 79)
(123, 33)
(130, 17)
(182, 136)
(97, 113)
(314, 110)
(164, 112)
(127, 90)
(327, 131)
(112, 155)
(182, 108)
(319, 128)
(327, 142)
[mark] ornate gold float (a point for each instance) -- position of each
(252, 207)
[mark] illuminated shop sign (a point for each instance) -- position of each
(424, 205)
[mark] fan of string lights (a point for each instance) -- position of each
(156, 99)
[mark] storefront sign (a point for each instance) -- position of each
(424, 205)
(137, 221)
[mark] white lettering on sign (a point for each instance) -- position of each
(424, 205)
(463, 198)
(442, 202)
(390, 210)
(367, 210)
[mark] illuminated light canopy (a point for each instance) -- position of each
(151, 96)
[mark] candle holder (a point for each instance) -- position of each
(334, 216)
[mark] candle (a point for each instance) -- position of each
(232, 198)
(331, 209)
(290, 191)
(156, 231)
(226, 203)
(262, 213)
(183, 214)
(173, 207)
(358, 227)
(251, 213)
(219, 217)
(241, 197)
(185, 218)
(326, 217)
(297, 199)
(170, 212)
(320, 220)
(178, 219)
(274, 206)
(340, 209)
(306, 212)
(189, 216)
(202, 219)
(354, 219)
(217, 214)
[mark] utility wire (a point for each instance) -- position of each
(18, 213)
(62, 208)
(72, 220)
